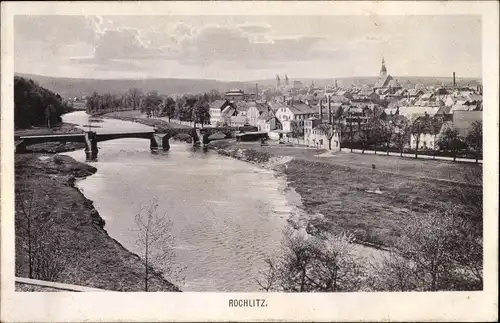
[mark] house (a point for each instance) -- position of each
(301, 111)
(415, 93)
(238, 121)
(343, 93)
(314, 136)
(427, 96)
(431, 132)
(368, 94)
(443, 110)
(216, 108)
(293, 111)
(255, 110)
(449, 101)
(242, 107)
(268, 122)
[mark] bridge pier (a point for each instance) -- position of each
(160, 141)
(199, 139)
(91, 145)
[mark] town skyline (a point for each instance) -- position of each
(246, 48)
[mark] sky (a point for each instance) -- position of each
(242, 48)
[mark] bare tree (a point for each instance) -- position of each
(436, 251)
(450, 140)
(297, 130)
(402, 129)
(418, 127)
(201, 110)
(329, 131)
(387, 133)
(169, 107)
(307, 264)
(376, 129)
(42, 252)
(475, 138)
(155, 241)
(135, 96)
(268, 278)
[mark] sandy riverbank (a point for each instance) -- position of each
(77, 247)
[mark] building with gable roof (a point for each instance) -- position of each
(216, 108)
(386, 81)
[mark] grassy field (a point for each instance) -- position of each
(71, 229)
(372, 203)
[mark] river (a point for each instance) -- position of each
(227, 215)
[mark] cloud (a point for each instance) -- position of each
(373, 39)
(206, 45)
(125, 43)
(181, 28)
(255, 28)
(218, 42)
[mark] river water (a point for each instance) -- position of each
(227, 215)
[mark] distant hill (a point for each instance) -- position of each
(71, 87)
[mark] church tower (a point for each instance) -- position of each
(383, 70)
(286, 79)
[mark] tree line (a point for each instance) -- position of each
(37, 106)
(379, 131)
(187, 107)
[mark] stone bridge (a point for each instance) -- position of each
(159, 139)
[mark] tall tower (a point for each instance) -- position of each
(277, 81)
(383, 70)
(286, 80)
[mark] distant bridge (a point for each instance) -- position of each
(158, 140)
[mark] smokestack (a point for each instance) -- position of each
(336, 85)
(321, 109)
(329, 110)
(454, 79)
(256, 91)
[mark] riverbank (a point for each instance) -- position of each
(372, 197)
(75, 247)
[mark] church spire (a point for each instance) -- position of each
(383, 70)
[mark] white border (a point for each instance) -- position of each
(442, 306)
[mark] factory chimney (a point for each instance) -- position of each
(454, 83)
(329, 110)
(320, 110)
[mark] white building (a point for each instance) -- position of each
(255, 110)
(316, 137)
(267, 122)
(293, 112)
(216, 108)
